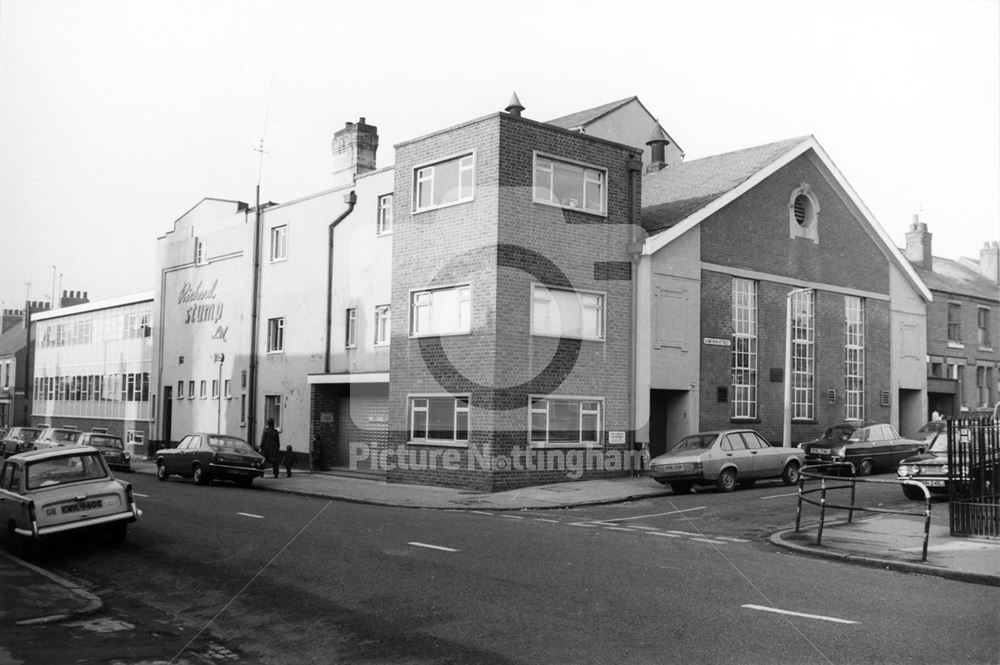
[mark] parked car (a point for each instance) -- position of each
(111, 447)
(869, 448)
(62, 489)
(207, 457)
(19, 439)
(51, 437)
(931, 467)
(726, 459)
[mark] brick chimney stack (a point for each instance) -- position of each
(989, 261)
(70, 298)
(918, 244)
(12, 318)
(354, 149)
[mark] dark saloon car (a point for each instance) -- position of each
(19, 439)
(208, 457)
(111, 447)
(869, 448)
(931, 467)
(725, 459)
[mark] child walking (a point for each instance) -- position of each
(288, 461)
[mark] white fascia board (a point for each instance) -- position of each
(361, 377)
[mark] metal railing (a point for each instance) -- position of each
(850, 482)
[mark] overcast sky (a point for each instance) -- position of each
(117, 116)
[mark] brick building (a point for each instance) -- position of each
(963, 342)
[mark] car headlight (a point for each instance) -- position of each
(944, 468)
(909, 470)
(127, 457)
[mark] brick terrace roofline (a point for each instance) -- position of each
(502, 114)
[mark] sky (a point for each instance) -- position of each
(118, 116)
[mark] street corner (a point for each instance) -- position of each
(33, 595)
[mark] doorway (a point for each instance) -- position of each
(668, 419)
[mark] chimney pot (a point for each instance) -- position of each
(514, 106)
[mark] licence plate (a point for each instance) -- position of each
(820, 451)
(933, 483)
(672, 467)
(82, 505)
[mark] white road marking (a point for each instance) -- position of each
(778, 496)
(542, 519)
(582, 524)
(643, 526)
(731, 539)
(642, 517)
(660, 533)
(144, 496)
(256, 517)
(684, 533)
(797, 614)
(482, 512)
(618, 528)
(513, 517)
(709, 540)
(432, 547)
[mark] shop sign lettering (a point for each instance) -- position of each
(202, 306)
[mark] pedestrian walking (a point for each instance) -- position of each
(270, 446)
(288, 461)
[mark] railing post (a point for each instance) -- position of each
(798, 507)
(854, 494)
(927, 524)
(822, 511)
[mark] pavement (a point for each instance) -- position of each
(32, 595)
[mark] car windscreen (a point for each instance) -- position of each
(695, 442)
(227, 444)
(933, 427)
(64, 470)
(107, 442)
(64, 436)
(26, 434)
(838, 432)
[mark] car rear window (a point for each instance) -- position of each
(26, 434)
(63, 436)
(64, 470)
(229, 445)
(107, 442)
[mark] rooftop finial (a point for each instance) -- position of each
(514, 106)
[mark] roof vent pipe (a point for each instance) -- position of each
(514, 106)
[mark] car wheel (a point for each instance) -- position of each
(681, 487)
(726, 481)
(117, 532)
(913, 493)
(161, 471)
(199, 476)
(864, 468)
(790, 475)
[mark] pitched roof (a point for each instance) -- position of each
(670, 195)
(957, 278)
(12, 341)
(678, 198)
(581, 118)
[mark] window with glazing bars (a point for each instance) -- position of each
(744, 359)
(854, 357)
(803, 355)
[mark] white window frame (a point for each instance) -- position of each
(983, 335)
(203, 389)
(424, 323)
(191, 389)
(272, 409)
(215, 389)
(803, 371)
(744, 354)
(540, 420)
(276, 334)
(418, 409)
(544, 166)
(383, 222)
(547, 312)
(425, 175)
(200, 256)
(383, 325)
(351, 328)
(279, 243)
(228, 388)
(854, 358)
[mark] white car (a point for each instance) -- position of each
(57, 490)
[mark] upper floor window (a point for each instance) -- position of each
(443, 183)
(275, 335)
(279, 243)
(563, 313)
(382, 325)
(954, 322)
(446, 311)
(983, 328)
(200, 255)
(351, 328)
(383, 225)
(570, 185)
